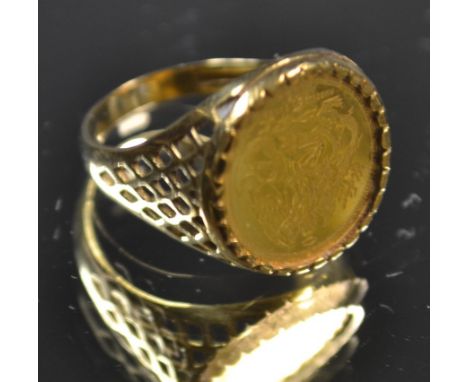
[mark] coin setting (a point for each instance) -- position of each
(306, 168)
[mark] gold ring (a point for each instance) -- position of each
(279, 170)
(160, 339)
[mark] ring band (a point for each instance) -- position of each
(183, 341)
(294, 167)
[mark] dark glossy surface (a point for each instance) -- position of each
(87, 48)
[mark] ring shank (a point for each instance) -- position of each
(159, 179)
(199, 78)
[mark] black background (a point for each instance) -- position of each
(89, 47)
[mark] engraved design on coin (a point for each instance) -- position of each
(300, 170)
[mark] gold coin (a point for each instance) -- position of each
(303, 172)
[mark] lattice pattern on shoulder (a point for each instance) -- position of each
(162, 187)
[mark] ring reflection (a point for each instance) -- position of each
(298, 330)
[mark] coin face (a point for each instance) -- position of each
(302, 172)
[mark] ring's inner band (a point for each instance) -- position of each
(199, 78)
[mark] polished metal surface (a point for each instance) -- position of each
(293, 170)
(89, 48)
